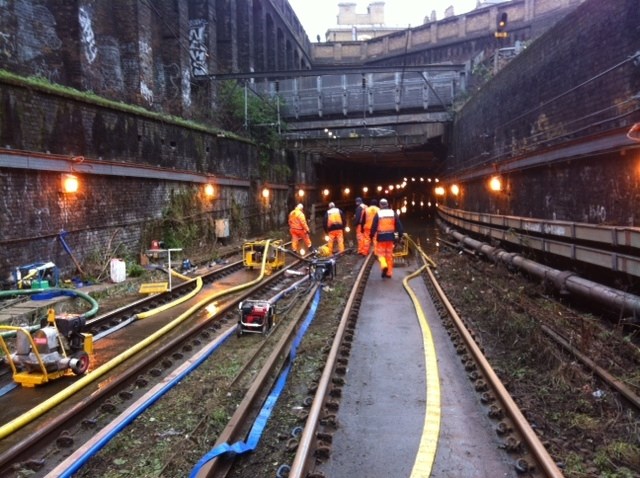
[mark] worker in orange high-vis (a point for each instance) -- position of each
(299, 229)
(369, 214)
(358, 221)
(333, 225)
(386, 229)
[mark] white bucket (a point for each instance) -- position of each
(118, 270)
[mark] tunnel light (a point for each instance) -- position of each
(390, 187)
(209, 190)
(347, 229)
(325, 192)
(265, 193)
(404, 209)
(455, 189)
(300, 192)
(379, 188)
(326, 238)
(365, 189)
(495, 184)
(70, 183)
(347, 191)
(439, 191)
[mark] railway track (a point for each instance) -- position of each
(248, 384)
(85, 409)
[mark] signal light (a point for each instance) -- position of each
(502, 24)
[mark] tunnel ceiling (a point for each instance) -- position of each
(414, 143)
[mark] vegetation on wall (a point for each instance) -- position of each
(185, 223)
(242, 111)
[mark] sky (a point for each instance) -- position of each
(317, 16)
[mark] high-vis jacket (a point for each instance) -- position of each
(369, 214)
(333, 220)
(297, 221)
(385, 224)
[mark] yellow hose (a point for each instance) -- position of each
(162, 308)
(61, 396)
(431, 427)
(419, 249)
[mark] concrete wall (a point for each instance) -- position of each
(574, 89)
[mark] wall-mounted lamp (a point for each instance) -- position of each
(347, 191)
(379, 188)
(365, 189)
(455, 189)
(70, 183)
(495, 184)
(300, 193)
(325, 192)
(209, 190)
(265, 193)
(439, 191)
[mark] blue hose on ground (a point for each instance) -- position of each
(91, 451)
(261, 421)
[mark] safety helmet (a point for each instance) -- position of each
(299, 206)
(384, 202)
(332, 205)
(358, 200)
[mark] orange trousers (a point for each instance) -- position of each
(298, 236)
(369, 244)
(336, 237)
(363, 245)
(384, 251)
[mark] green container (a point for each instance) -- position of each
(40, 284)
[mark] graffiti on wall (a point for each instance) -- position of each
(186, 88)
(7, 48)
(88, 38)
(198, 47)
(145, 53)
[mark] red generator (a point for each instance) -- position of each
(256, 317)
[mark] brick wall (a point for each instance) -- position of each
(574, 83)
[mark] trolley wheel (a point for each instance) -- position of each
(82, 365)
(239, 330)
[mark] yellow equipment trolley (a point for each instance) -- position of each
(253, 252)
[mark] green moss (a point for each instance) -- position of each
(45, 86)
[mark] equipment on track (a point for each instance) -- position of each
(256, 316)
(253, 252)
(54, 350)
(321, 269)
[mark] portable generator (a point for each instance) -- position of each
(322, 269)
(256, 316)
(50, 352)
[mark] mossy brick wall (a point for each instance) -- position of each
(33, 120)
(575, 82)
(114, 210)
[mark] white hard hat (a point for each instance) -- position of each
(384, 202)
(299, 206)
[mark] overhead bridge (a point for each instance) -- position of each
(396, 115)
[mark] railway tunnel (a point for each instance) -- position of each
(540, 110)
